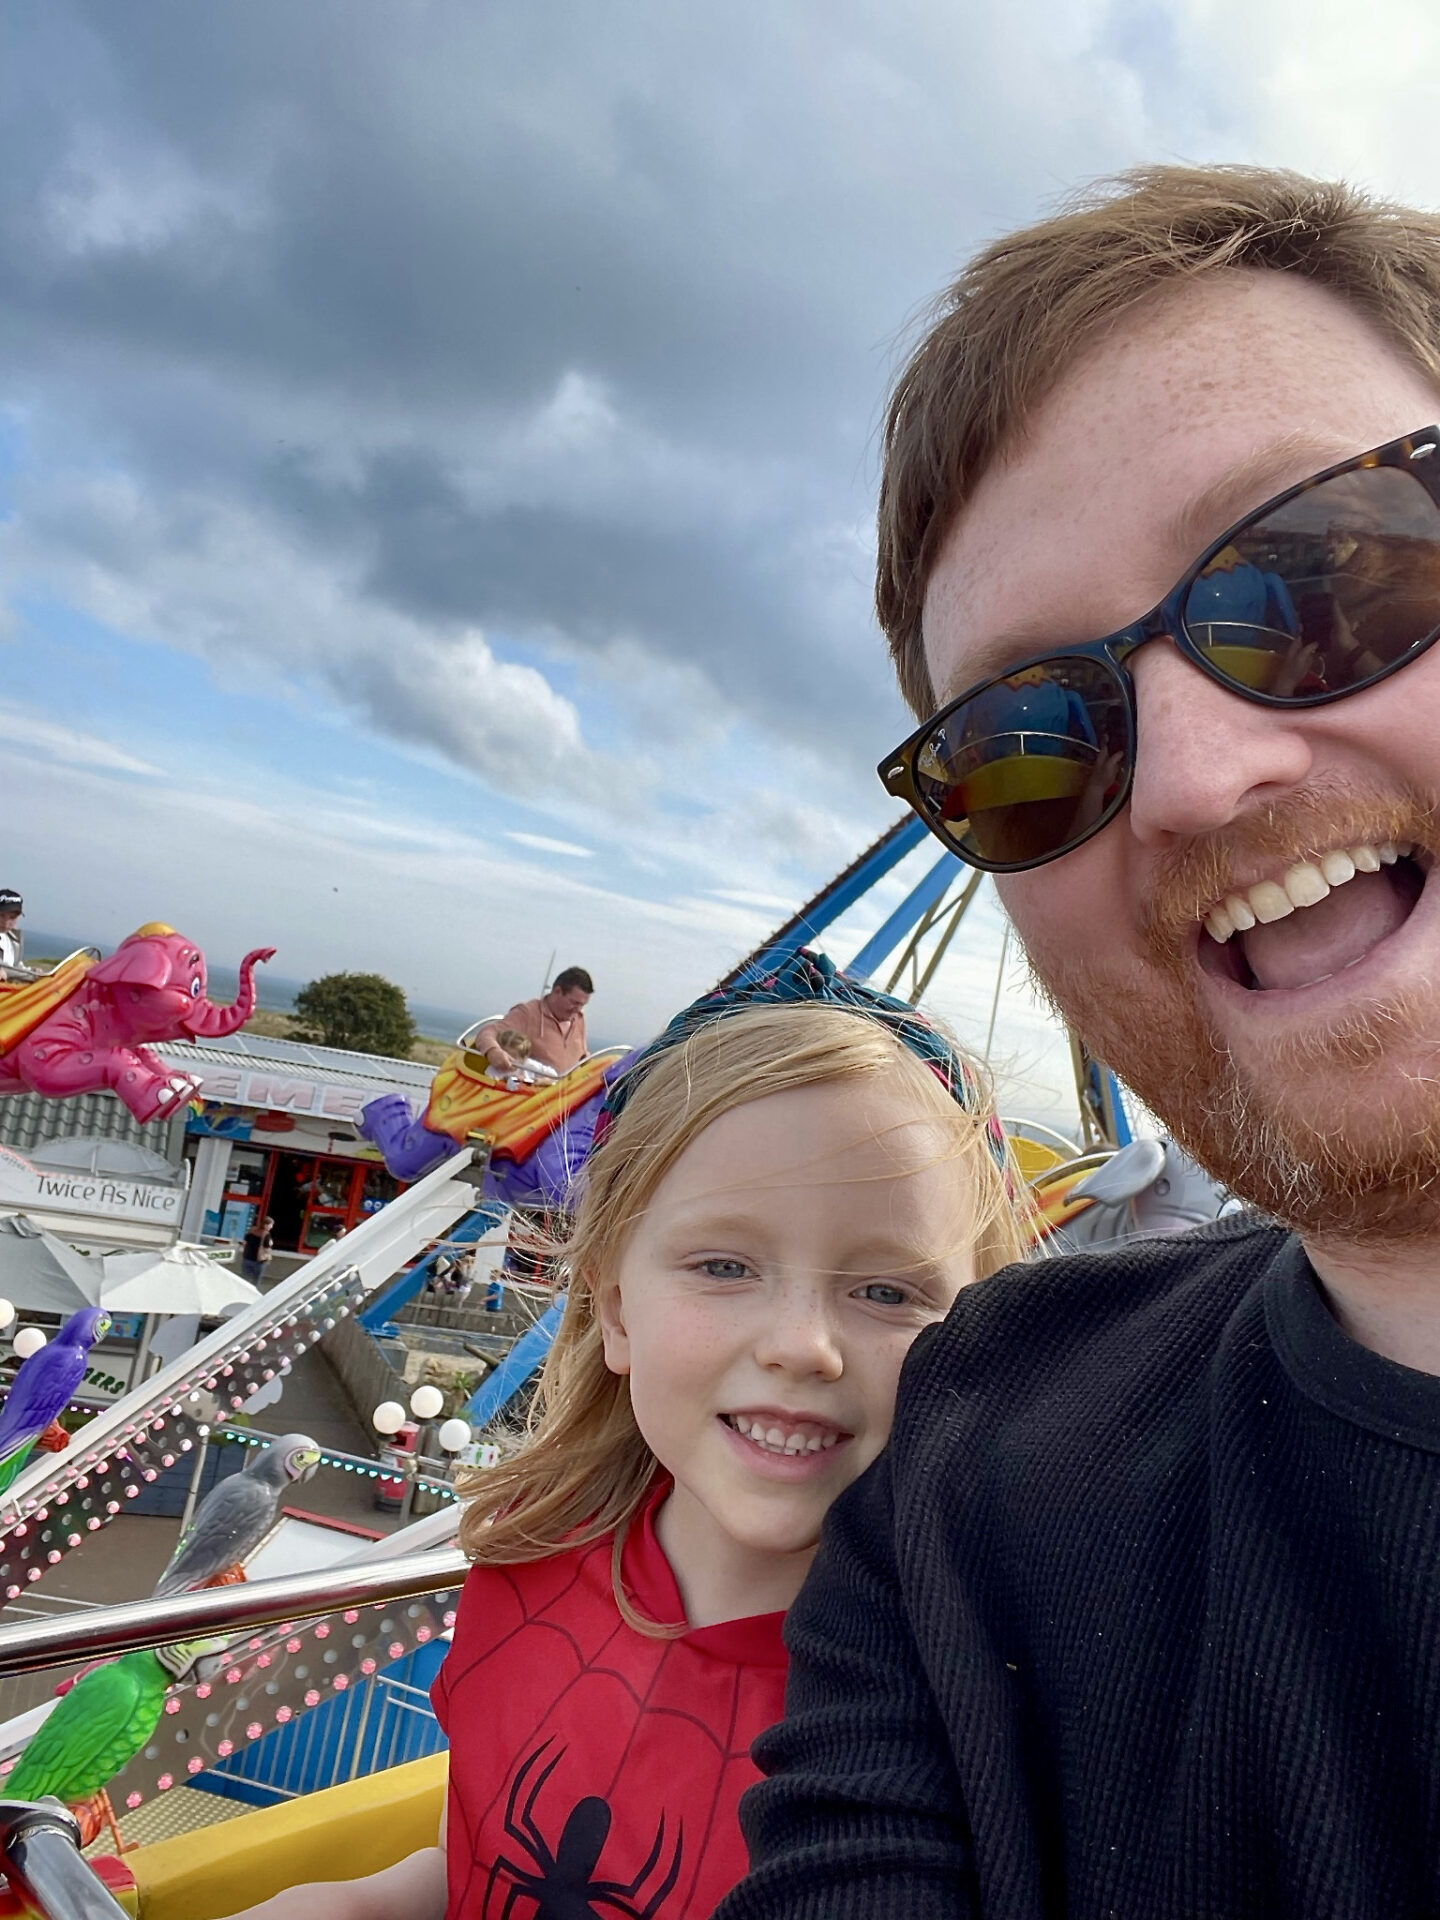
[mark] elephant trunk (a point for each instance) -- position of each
(209, 1022)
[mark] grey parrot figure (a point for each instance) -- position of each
(235, 1517)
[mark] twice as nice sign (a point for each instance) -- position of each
(106, 1196)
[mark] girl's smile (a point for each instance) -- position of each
(790, 1445)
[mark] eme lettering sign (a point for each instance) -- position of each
(284, 1093)
(36, 1190)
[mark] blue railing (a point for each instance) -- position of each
(376, 1723)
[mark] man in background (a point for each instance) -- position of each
(554, 1025)
(12, 940)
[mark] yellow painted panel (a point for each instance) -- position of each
(1033, 1157)
(340, 1834)
(1023, 777)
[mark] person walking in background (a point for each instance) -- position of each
(257, 1249)
(12, 940)
(554, 1025)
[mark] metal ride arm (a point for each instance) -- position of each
(40, 1857)
(101, 1632)
(40, 1842)
(60, 1498)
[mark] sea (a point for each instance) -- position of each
(273, 991)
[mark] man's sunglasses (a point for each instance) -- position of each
(1320, 593)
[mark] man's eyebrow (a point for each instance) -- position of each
(1239, 490)
(1002, 651)
(1270, 469)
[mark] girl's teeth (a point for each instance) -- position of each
(776, 1440)
(1305, 884)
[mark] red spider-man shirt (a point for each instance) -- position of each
(595, 1771)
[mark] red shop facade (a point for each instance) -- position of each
(284, 1143)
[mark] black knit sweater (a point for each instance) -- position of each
(1138, 1617)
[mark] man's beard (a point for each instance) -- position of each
(1335, 1132)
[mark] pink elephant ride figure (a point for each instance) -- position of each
(83, 1028)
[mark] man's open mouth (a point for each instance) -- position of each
(1316, 918)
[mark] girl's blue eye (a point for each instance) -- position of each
(724, 1269)
(884, 1294)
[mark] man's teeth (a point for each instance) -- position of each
(1304, 885)
(779, 1439)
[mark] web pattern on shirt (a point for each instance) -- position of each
(606, 1800)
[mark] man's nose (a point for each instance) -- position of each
(1204, 756)
(799, 1335)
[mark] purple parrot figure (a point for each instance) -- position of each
(43, 1387)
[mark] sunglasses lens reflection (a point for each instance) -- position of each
(1029, 765)
(1324, 592)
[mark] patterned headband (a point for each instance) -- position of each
(812, 979)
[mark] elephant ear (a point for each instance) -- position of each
(136, 962)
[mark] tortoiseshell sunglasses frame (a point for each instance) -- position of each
(1165, 621)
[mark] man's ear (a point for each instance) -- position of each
(610, 1312)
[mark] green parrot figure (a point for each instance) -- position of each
(96, 1729)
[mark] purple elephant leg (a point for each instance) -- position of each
(409, 1146)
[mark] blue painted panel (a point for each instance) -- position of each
(526, 1357)
(1123, 1132)
(404, 1287)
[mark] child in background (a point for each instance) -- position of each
(786, 1188)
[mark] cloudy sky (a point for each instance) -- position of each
(437, 442)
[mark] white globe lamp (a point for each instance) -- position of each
(7, 1312)
(454, 1435)
(427, 1402)
(29, 1340)
(388, 1417)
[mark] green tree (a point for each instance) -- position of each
(360, 1010)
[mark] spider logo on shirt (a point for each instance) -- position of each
(560, 1884)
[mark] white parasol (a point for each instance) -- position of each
(178, 1279)
(41, 1273)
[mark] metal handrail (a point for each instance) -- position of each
(40, 1857)
(258, 1603)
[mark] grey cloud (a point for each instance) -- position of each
(387, 235)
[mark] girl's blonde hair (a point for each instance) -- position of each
(584, 1469)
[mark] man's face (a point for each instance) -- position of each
(1309, 1076)
(8, 920)
(567, 1001)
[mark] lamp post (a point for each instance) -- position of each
(426, 1404)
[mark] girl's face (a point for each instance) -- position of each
(767, 1298)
